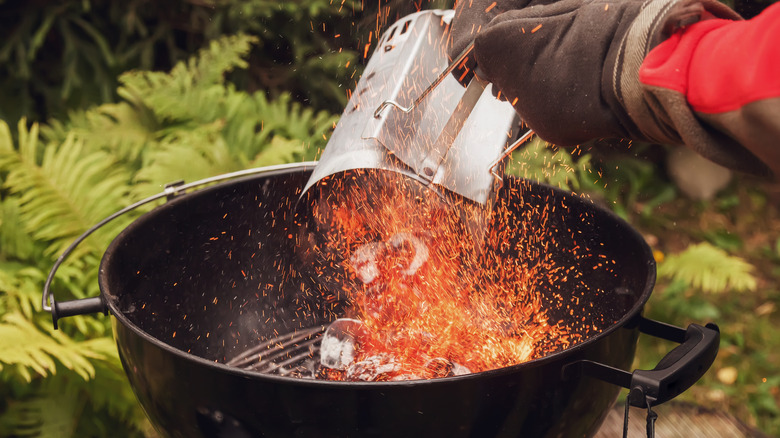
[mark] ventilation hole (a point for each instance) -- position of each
(392, 32)
(406, 27)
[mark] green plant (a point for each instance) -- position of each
(539, 161)
(64, 55)
(59, 179)
(709, 269)
(626, 184)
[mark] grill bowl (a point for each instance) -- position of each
(198, 280)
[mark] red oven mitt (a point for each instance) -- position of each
(571, 70)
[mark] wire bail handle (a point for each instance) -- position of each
(96, 304)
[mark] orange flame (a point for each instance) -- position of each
(424, 294)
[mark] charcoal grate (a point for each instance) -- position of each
(294, 354)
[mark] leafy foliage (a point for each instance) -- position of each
(201, 118)
(60, 179)
(62, 189)
(33, 351)
(58, 56)
(709, 269)
(627, 184)
(557, 167)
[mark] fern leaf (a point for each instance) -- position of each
(20, 289)
(110, 389)
(15, 242)
(41, 416)
(709, 269)
(540, 163)
(187, 155)
(281, 150)
(65, 405)
(170, 95)
(289, 119)
(21, 285)
(35, 352)
(64, 190)
(123, 130)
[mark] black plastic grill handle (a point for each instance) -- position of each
(675, 372)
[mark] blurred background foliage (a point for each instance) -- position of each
(56, 56)
(104, 102)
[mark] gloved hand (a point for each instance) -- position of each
(471, 16)
(570, 67)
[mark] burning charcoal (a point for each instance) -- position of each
(364, 261)
(381, 367)
(401, 241)
(339, 343)
(441, 367)
(405, 377)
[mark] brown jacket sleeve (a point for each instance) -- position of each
(716, 86)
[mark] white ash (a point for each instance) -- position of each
(379, 367)
(441, 367)
(340, 342)
(364, 262)
(420, 251)
(364, 259)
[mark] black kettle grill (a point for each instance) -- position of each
(204, 277)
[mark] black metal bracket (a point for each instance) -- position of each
(172, 189)
(61, 309)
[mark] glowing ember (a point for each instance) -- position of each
(424, 302)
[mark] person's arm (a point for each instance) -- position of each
(572, 68)
(725, 74)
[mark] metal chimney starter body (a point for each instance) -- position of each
(450, 140)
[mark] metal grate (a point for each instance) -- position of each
(293, 354)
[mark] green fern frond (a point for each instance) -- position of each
(15, 242)
(538, 162)
(255, 120)
(78, 281)
(63, 189)
(327, 65)
(290, 119)
(110, 390)
(34, 352)
(281, 150)
(193, 90)
(20, 289)
(709, 269)
(42, 415)
(187, 155)
(211, 128)
(65, 405)
(121, 129)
